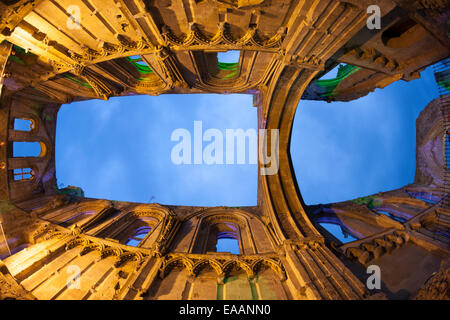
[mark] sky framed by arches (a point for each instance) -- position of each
(120, 149)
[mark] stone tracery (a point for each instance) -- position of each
(285, 48)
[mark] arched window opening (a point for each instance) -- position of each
(224, 237)
(228, 64)
(23, 174)
(339, 232)
(23, 124)
(28, 149)
(139, 64)
(138, 236)
(130, 230)
(79, 218)
(231, 56)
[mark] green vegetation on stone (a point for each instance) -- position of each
(140, 67)
(329, 85)
(369, 201)
(77, 81)
(230, 68)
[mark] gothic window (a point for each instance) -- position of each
(223, 237)
(23, 124)
(231, 56)
(78, 219)
(228, 64)
(23, 174)
(138, 60)
(27, 149)
(140, 65)
(138, 236)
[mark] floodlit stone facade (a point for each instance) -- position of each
(54, 52)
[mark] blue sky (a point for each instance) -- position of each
(341, 151)
(120, 149)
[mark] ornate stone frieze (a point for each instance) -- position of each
(223, 39)
(222, 264)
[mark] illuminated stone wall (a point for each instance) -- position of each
(141, 47)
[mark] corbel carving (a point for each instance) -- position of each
(223, 39)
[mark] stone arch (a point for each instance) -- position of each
(93, 246)
(79, 241)
(271, 264)
(233, 265)
(215, 265)
(111, 251)
(127, 256)
(238, 281)
(78, 213)
(176, 262)
(195, 232)
(212, 223)
(35, 123)
(269, 282)
(160, 219)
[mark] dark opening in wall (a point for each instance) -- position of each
(403, 34)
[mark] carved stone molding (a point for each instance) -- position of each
(223, 39)
(222, 264)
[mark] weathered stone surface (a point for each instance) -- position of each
(286, 46)
(437, 286)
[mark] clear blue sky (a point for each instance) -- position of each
(341, 151)
(120, 149)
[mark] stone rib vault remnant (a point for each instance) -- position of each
(54, 52)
